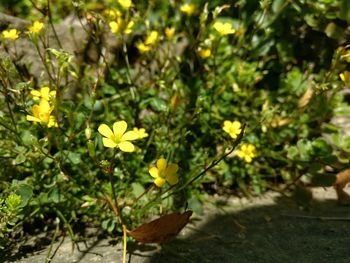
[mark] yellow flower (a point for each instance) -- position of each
(118, 138)
(247, 152)
(43, 93)
(141, 133)
(126, 4)
(112, 13)
(188, 9)
(35, 27)
(120, 26)
(169, 32)
(232, 128)
(128, 28)
(151, 38)
(143, 48)
(12, 34)
(42, 114)
(224, 28)
(345, 77)
(163, 173)
(204, 53)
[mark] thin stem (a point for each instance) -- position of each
(115, 208)
(11, 115)
(214, 163)
(141, 195)
(125, 52)
(65, 221)
(51, 24)
(125, 243)
(48, 259)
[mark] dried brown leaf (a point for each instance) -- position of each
(162, 229)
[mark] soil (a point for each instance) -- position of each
(269, 229)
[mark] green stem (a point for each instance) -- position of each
(214, 163)
(65, 221)
(48, 259)
(125, 52)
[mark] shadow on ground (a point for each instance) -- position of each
(270, 229)
(270, 233)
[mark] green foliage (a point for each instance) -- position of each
(278, 73)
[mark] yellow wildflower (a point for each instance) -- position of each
(204, 53)
(141, 132)
(113, 13)
(12, 34)
(43, 93)
(120, 26)
(42, 114)
(224, 28)
(345, 77)
(151, 38)
(188, 9)
(247, 152)
(126, 4)
(143, 48)
(36, 27)
(118, 138)
(232, 128)
(169, 32)
(163, 173)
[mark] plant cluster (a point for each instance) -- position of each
(185, 77)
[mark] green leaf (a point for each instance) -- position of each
(344, 10)
(105, 223)
(196, 205)
(26, 193)
(277, 5)
(334, 31)
(158, 104)
(137, 189)
(74, 157)
(292, 152)
(20, 158)
(321, 147)
(28, 138)
(55, 195)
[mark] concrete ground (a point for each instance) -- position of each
(269, 229)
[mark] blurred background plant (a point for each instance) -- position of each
(176, 71)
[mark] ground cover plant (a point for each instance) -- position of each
(113, 112)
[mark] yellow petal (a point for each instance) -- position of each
(45, 91)
(171, 169)
(36, 111)
(126, 146)
(227, 126)
(153, 171)
(35, 93)
(44, 106)
(53, 93)
(105, 131)
(172, 179)
(159, 181)
(119, 127)
(161, 164)
(130, 135)
(248, 159)
(109, 143)
(32, 118)
(236, 125)
(52, 122)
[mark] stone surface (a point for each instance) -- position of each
(270, 228)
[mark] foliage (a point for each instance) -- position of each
(167, 78)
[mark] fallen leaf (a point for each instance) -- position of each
(162, 229)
